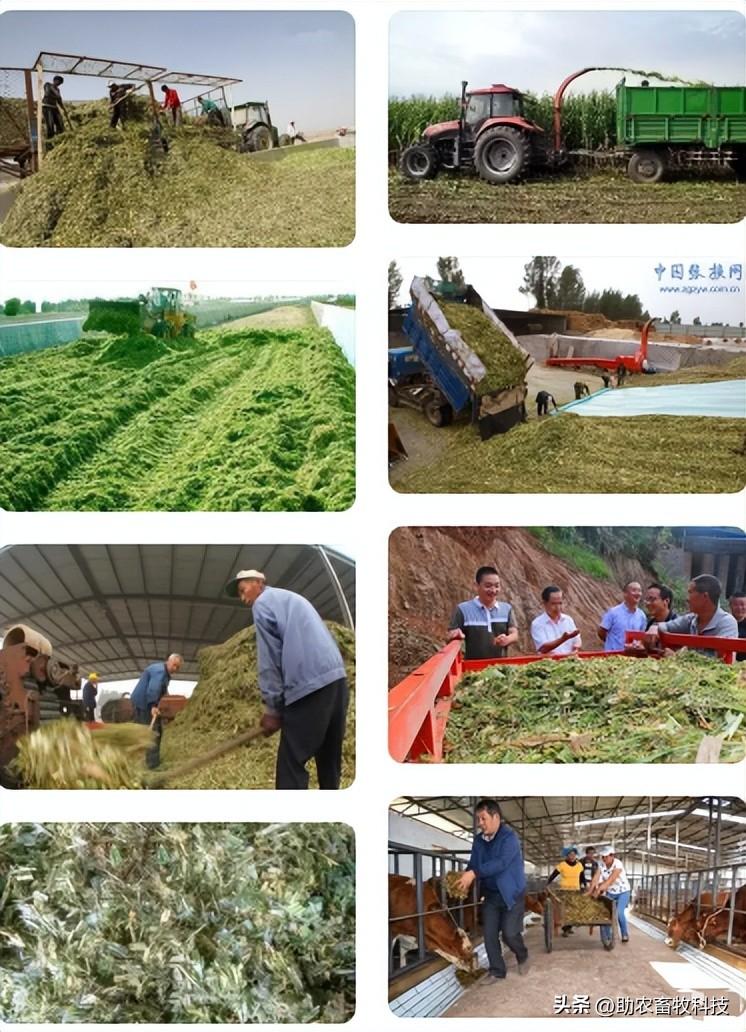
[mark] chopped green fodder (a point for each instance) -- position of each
(13, 121)
(615, 710)
(102, 187)
(649, 454)
(66, 754)
(118, 317)
(249, 420)
(225, 702)
(505, 364)
(177, 923)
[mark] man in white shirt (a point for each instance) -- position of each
(554, 632)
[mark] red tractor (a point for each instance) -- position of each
(492, 136)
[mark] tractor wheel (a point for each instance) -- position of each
(419, 161)
(501, 154)
(646, 166)
(187, 331)
(438, 412)
(393, 397)
(160, 329)
(259, 139)
(284, 140)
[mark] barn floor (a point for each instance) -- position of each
(578, 965)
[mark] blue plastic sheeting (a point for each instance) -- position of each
(725, 398)
(340, 322)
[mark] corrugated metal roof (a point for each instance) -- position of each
(116, 608)
(547, 823)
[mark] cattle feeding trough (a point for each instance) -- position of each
(658, 129)
(420, 705)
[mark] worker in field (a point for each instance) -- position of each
(659, 604)
(554, 632)
(486, 626)
(213, 112)
(543, 400)
(705, 616)
(571, 874)
(611, 881)
(497, 861)
(172, 103)
(295, 136)
(53, 108)
(302, 681)
(627, 616)
(90, 691)
(738, 612)
(119, 93)
(582, 390)
(147, 694)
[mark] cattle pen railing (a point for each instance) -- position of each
(663, 896)
(421, 865)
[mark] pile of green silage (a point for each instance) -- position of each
(615, 710)
(101, 187)
(225, 702)
(177, 923)
(250, 420)
(580, 454)
(505, 365)
(66, 754)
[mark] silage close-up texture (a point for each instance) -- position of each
(615, 710)
(505, 365)
(177, 923)
(225, 702)
(243, 420)
(102, 187)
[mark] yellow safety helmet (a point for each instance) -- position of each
(93, 676)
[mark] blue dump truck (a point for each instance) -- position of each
(437, 373)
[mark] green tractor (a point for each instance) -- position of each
(257, 131)
(160, 312)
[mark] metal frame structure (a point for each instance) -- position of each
(102, 68)
(441, 863)
(662, 896)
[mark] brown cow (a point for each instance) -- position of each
(683, 926)
(715, 925)
(442, 934)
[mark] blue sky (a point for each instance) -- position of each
(432, 51)
(302, 62)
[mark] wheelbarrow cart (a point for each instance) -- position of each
(567, 907)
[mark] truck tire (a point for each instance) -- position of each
(259, 139)
(438, 412)
(646, 166)
(501, 154)
(284, 140)
(393, 397)
(419, 161)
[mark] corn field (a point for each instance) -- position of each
(588, 120)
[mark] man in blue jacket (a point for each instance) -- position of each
(497, 861)
(302, 681)
(148, 692)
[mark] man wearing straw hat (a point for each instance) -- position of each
(302, 681)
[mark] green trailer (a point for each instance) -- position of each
(665, 127)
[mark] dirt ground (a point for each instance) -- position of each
(580, 965)
(431, 570)
(287, 317)
(603, 197)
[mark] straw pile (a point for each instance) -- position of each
(225, 702)
(66, 754)
(615, 710)
(177, 923)
(505, 365)
(581, 909)
(102, 187)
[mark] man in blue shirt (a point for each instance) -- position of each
(148, 692)
(627, 616)
(302, 681)
(497, 861)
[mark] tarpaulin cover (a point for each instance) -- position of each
(726, 398)
(341, 324)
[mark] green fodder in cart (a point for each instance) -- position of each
(616, 710)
